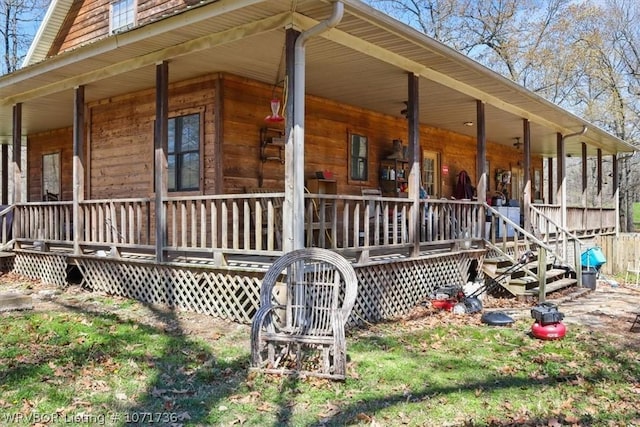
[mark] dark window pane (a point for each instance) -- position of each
(359, 158)
(190, 171)
(172, 136)
(171, 160)
(191, 132)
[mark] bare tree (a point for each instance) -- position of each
(18, 23)
(583, 56)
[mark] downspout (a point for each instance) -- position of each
(294, 188)
(563, 188)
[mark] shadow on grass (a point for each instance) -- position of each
(179, 381)
(186, 383)
(625, 370)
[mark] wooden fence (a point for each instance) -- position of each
(620, 251)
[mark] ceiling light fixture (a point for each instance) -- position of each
(469, 124)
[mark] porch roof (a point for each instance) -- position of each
(363, 62)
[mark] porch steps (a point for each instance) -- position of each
(519, 284)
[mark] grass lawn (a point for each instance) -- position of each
(92, 360)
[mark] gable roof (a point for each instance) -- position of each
(364, 62)
(47, 32)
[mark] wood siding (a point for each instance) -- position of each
(88, 20)
(327, 127)
(120, 147)
(121, 135)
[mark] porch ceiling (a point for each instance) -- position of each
(363, 62)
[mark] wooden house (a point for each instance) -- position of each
(173, 149)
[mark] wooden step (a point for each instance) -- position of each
(551, 275)
(554, 286)
(554, 278)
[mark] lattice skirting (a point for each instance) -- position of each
(229, 295)
(386, 290)
(392, 289)
(48, 267)
(6, 263)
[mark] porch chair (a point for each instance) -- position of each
(305, 300)
(633, 267)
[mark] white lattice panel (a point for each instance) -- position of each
(392, 289)
(233, 296)
(385, 290)
(50, 268)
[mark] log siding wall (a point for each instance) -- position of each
(121, 142)
(88, 20)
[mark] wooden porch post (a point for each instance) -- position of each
(160, 142)
(481, 159)
(78, 167)
(616, 190)
(287, 206)
(5, 174)
(17, 153)
(296, 180)
(550, 191)
(561, 193)
(599, 179)
(414, 160)
(584, 175)
(526, 132)
(584, 183)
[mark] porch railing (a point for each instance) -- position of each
(116, 222)
(252, 223)
(6, 225)
(43, 222)
(113, 222)
(579, 220)
(247, 223)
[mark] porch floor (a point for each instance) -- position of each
(239, 262)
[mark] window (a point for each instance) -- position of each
(51, 177)
(358, 158)
(123, 15)
(183, 153)
(431, 173)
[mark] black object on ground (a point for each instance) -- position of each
(496, 318)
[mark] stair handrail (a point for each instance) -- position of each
(529, 237)
(565, 233)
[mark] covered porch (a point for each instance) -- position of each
(126, 232)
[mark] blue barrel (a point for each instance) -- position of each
(593, 257)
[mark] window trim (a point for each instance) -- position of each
(178, 113)
(350, 179)
(436, 157)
